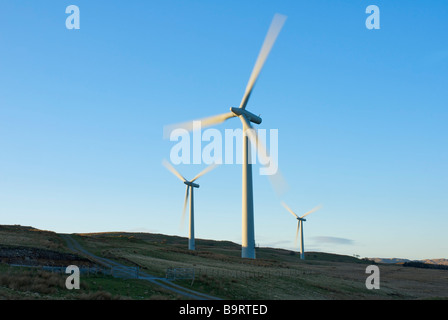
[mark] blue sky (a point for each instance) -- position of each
(361, 116)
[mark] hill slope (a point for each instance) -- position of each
(440, 262)
(219, 270)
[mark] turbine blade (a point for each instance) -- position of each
(206, 170)
(173, 171)
(275, 28)
(277, 180)
(297, 234)
(311, 211)
(182, 223)
(289, 209)
(204, 122)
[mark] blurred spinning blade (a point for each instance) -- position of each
(276, 26)
(277, 180)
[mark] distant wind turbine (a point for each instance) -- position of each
(249, 135)
(190, 186)
(300, 221)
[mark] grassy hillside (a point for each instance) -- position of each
(18, 283)
(16, 235)
(276, 274)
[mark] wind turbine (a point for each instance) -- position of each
(190, 186)
(249, 135)
(300, 221)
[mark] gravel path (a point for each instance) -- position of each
(129, 272)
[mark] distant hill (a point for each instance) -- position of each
(389, 260)
(441, 262)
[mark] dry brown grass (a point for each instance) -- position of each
(275, 274)
(36, 281)
(100, 295)
(14, 235)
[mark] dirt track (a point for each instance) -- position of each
(129, 272)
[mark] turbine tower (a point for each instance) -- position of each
(300, 221)
(189, 192)
(249, 136)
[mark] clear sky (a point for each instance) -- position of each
(361, 116)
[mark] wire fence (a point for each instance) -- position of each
(180, 273)
(245, 274)
(177, 273)
(117, 272)
(196, 272)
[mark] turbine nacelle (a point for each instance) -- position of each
(249, 115)
(191, 184)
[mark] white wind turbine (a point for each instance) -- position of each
(246, 117)
(190, 186)
(300, 221)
